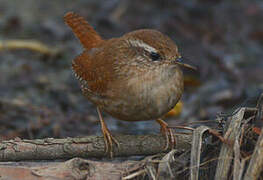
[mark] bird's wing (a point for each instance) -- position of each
(97, 67)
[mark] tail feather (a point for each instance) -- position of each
(88, 37)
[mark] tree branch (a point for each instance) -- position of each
(86, 147)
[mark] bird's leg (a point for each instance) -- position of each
(167, 132)
(108, 138)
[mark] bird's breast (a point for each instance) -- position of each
(147, 97)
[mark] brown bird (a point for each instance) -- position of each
(135, 77)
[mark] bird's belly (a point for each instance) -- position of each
(147, 98)
(150, 103)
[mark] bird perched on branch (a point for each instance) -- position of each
(135, 77)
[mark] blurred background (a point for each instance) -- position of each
(40, 97)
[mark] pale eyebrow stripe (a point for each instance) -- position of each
(140, 43)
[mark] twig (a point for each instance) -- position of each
(237, 170)
(27, 44)
(226, 153)
(218, 135)
(256, 163)
(196, 151)
(133, 175)
(182, 127)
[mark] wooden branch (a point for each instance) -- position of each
(76, 168)
(73, 169)
(86, 147)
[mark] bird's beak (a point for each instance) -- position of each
(186, 66)
(179, 62)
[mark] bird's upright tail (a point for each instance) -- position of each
(88, 37)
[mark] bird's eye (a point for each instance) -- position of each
(155, 56)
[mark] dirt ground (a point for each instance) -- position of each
(40, 97)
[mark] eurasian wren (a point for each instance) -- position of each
(135, 77)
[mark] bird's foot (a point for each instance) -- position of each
(109, 140)
(168, 134)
